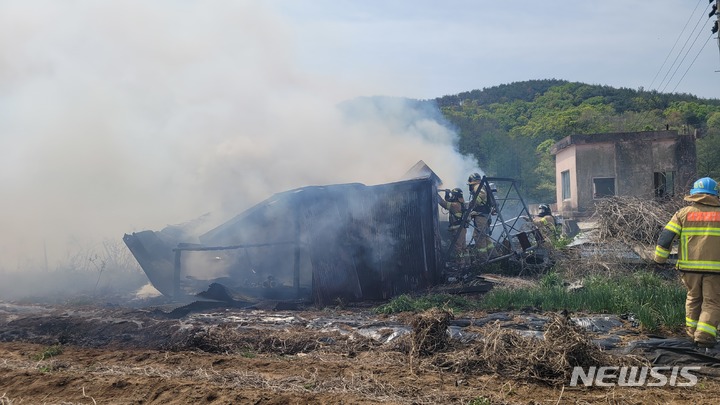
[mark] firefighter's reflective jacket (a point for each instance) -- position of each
(548, 226)
(698, 229)
(482, 205)
(455, 210)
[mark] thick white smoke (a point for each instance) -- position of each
(119, 116)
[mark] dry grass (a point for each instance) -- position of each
(549, 360)
(627, 227)
(508, 282)
(501, 351)
(4, 400)
(634, 220)
(429, 334)
(367, 382)
(226, 338)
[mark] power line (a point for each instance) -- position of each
(683, 59)
(643, 117)
(675, 44)
(692, 63)
(680, 52)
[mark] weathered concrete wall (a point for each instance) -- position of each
(565, 160)
(634, 168)
(638, 161)
(664, 160)
(630, 158)
(686, 162)
(663, 156)
(593, 161)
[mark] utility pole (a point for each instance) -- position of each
(716, 24)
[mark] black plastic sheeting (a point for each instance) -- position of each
(676, 352)
(328, 244)
(598, 324)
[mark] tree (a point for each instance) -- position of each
(708, 158)
(510, 128)
(545, 170)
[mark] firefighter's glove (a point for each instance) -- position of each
(664, 270)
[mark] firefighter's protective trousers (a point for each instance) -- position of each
(483, 244)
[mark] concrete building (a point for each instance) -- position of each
(640, 164)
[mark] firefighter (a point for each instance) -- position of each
(547, 224)
(454, 202)
(480, 216)
(697, 227)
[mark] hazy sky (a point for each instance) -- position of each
(120, 116)
(426, 49)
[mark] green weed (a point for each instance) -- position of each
(48, 352)
(45, 369)
(479, 401)
(406, 303)
(655, 302)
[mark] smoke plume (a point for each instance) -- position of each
(119, 116)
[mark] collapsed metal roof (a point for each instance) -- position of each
(327, 244)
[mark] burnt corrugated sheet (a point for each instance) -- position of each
(156, 258)
(347, 242)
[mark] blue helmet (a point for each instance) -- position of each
(705, 185)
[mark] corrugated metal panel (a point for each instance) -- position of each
(363, 242)
(155, 257)
(346, 242)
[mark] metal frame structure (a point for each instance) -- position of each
(512, 236)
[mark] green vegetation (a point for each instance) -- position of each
(655, 302)
(561, 242)
(48, 352)
(406, 303)
(510, 128)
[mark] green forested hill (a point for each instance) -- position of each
(510, 128)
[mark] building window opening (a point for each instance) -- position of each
(603, 187)
(565, 178)
(664, 184)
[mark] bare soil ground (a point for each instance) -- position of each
(96, 355)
